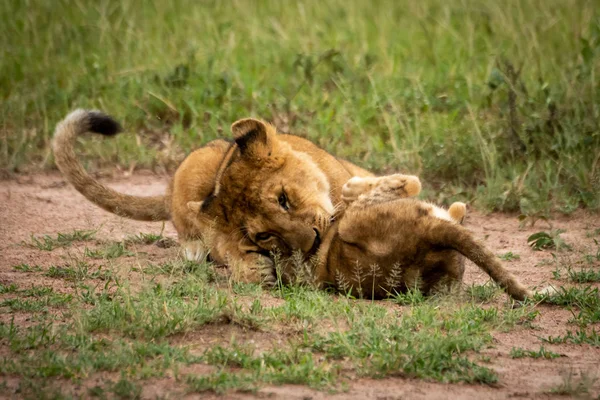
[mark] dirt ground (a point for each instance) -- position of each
(46, 204)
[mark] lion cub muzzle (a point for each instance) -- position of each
(306, 239)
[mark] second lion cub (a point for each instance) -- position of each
(386, 242)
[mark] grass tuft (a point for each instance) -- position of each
(50, 243)
(517, 352)
(478, 101)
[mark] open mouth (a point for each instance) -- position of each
(316, 243)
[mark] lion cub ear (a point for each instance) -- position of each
(253, 137)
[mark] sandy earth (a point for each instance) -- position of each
(45, 204)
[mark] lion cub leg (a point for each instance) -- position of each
(195, 250)
(374, 190)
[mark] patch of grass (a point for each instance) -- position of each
(548, 240)
(429, 342)
(221, 382)
(126, 389)
(27, 268)
(11, 288)
(143, 238)
(61, 351)
(201, 270)
(246, 289)
(593, 233)
(37, 389)
(484, 293)
(517, 352)
(36, 291)
(159, 311)
(36, 305)
(49, 243)
(584, 303)
(513, 132)
(110, 251)
(410, 297)
(509, 256)
(117, 326)
(584, 275)
(294, 365)
(580, 336)
(78, 271)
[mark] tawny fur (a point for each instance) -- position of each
(140, 208)
(260, 166)
(383, 235)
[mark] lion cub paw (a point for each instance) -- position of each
(195, 250)
(384, 187)
(357, 186)
(458, 211)
(402, 185)
(266, 271)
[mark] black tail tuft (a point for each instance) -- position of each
(103, 124)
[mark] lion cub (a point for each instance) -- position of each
(385, 242)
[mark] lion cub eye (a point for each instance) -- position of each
(283, 201)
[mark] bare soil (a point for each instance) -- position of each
(46, 204)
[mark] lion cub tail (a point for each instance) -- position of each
(77, 123)
(460, 239)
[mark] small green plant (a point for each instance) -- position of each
(548, 240)
(509, 256)
(483, 293)
(584, 303)
(113, 250)
(584, 275)
(125, 389)
(36, 291)
(49, 243)
(410, 297)
(580, 336)
(143, 238)
(11, 288)
(27, 268)
(36, 305)
(593, 233)
(517, 352)
(222, 381)
(531, 216)
(78, 271)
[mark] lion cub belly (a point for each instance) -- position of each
(381, 250)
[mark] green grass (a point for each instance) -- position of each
(78, 271)
(110, 251)
(113, 327)
(509, 256)
(495, 102)
(143, 238)
(580, 336)
(548, 240)
(27, 268)
(138, 328)
(32, 299)
(518, 352)
(49, 243)
(10, 288)
(36, 305)
(584, 303)
(584, 275)
(484, 293)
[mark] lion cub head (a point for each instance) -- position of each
(278, 197)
